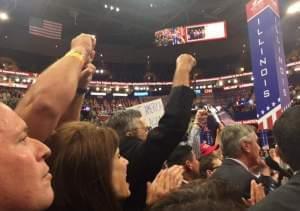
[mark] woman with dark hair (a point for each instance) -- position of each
(88, 172)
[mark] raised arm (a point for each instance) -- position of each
(184, 65)
(47, 100)
(73, 112)
(199, 123)
(172, 127)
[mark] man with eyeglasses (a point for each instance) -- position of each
(147, 150)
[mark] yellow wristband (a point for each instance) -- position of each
(76, 54)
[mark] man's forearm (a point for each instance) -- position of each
(181, 78)
(50, 96)
(73, 111)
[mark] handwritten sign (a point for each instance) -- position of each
(152, 111)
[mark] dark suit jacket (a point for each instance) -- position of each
(236, 175)
(146, 158)
(284, 198)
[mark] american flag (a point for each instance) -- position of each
(45, 28)
(268, 120)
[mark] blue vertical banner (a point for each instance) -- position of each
(268, 61)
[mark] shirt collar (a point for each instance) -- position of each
(240, 162)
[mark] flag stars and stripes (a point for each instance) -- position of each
(45, 28)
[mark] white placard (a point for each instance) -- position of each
(152, 111)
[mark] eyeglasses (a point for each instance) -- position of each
(214, 168)
(146, 129)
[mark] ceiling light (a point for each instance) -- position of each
(112, 7)
(105, 6)
(4, 16)
(294, 8)
(117, 9)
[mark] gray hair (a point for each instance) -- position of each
(231, 137)
(123, 121)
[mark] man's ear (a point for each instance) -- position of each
(279, 154)
(245, 146)
(129, 133)
(188, 165)
(209, 173)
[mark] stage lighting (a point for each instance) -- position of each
(4, 16)
(101, 71)
(105, 6)
(112, 7)
(294, 8)
(117, 9)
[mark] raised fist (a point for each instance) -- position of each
(185, 62)
(85, 43)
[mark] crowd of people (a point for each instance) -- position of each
(50, 160)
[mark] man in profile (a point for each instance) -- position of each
(25, 182)
(241, 153)
(286, 133)
(183, 155)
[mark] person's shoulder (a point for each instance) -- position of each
(285, 198)
(130, 144)
(233, 170)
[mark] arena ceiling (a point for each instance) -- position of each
(127, 36)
